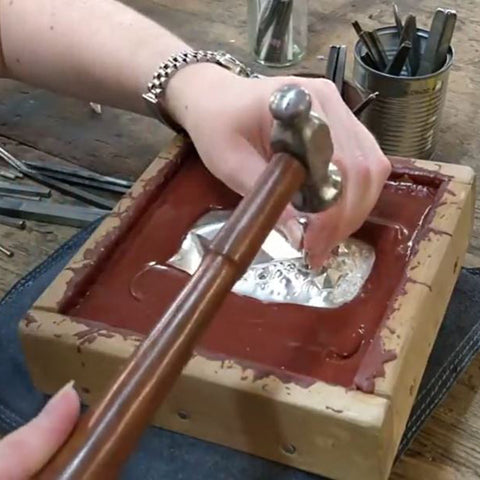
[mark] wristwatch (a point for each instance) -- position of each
(155, 96)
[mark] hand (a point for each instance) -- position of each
(229, 121)
(25, 451)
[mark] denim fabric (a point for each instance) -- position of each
(171, 456)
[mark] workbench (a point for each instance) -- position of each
(36, 125)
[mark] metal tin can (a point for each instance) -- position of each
(406, 115)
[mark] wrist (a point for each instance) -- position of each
(189, 87)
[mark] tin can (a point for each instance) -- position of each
(406, 115)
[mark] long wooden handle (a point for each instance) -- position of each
(107, 434)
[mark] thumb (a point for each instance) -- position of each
(26, 450)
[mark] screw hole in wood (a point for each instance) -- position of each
(182, 414)
(289, 449)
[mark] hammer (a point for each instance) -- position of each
(300, 169)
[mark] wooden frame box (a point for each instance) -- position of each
(322, 428)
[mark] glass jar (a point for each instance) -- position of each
(277, 31)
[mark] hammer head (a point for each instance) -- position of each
(290, 104)
(303, 134)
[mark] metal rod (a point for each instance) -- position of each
(445, 40)
(103, 439)
(7, 174)
(369, 43)
(409, 34)
(12, 161)
(366, 103)
(337, 57)
(47, 212)
(20, 196)
(368, 60)
(381, 57)
(340, 70)
(77, 172)
(28, 190)
(12, 222)
(276, 51)
(415, 53)
(69, 190)
(397, 63)
(6, 251)
(108, 187)
(332, 62)
(267, 17)
(398, 20)
(74, 192)
(439, 38)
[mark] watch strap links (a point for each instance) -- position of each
(155, 95)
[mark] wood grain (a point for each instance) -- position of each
(122, 143)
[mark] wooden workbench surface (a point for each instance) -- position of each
(38, 125)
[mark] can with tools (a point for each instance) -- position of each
(406, 115)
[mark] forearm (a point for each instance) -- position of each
(95, 50)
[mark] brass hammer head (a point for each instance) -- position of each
(303, 134)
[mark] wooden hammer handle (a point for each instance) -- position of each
(104, 438)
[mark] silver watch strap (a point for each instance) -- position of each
(156, 88)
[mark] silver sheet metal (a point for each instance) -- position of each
(278, 273)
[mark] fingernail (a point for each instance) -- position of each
(49, 407)
(67, 386)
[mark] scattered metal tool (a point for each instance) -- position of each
(398, 20)
(21, 197)
(97, 108)
(6, 251)
(397, 63)
(365, 104)
(373, 45)
(8, 175)
(50, 212)
(72, 180)
(27, 190)
(78, 172)
(12, 222)
(73, 192)
(61, 187)
(439, 39)
(332, 62)
(11, 175)
(337, 58)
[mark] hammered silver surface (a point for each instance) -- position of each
(279, 274)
